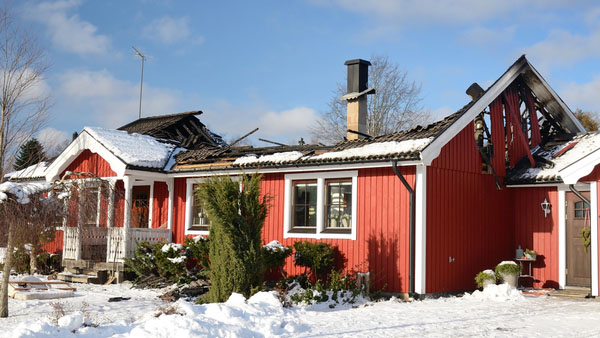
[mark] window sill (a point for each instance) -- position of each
(197, 231)
(348, 234)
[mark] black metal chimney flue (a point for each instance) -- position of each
(358, 75)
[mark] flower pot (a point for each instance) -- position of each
(488, 282)
(530, 256)
(509, 278)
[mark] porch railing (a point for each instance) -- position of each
(108, 244)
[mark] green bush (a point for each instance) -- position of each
(317, 257)
(237, 214)
(274, 255)
(20, 262)
(483, 276)
(159, 259)
(143, 262)
(339, 288)
(508, 268)
(49, 263)
(197, 251)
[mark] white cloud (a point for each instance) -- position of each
(111, 101)
(582, 95)
(170, 30)
(564, 48)
(68, 31)
(285, 126)
(53, 140)
(480, 35)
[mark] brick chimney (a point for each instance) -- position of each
(356, 97)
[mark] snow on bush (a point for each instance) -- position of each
(274, 246)
(176, 260)
(22, 190)
(171, 246)
(501, 292)
(507, 262)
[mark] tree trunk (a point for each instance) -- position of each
(6, 273)
(33, 259)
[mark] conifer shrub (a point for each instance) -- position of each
(159, 259)
(274, 256)
(316, 257)
(197, 252)
(237, 216)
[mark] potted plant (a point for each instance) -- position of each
(530, 254)
(508, 271)
(485, 278)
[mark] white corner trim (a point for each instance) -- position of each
(170, 186)
(580, 168)
(151, 205)
(432, 151)
(320, 177)
(189, 198)
(82, 142)
(562, 238)
(594, 235)
(420, 229)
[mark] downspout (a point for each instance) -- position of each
(411, 229)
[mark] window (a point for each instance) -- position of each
(304, 206)
(320, 205)
(581, 208)
(199, 218)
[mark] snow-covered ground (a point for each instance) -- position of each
(498, 312)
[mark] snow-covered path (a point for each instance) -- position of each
(500, 313)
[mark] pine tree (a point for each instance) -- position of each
(236, 217)
(30, 153)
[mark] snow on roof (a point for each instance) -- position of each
(287, 156)
(381, 148)
(171, 162)
(37, 170)
(134, 149)
(21, 190)
(583, 146)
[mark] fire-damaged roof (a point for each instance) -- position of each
(404, 145)
(185, 129)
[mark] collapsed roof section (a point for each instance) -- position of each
(183, 129)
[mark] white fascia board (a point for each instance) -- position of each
(562, 104)
(562, 238)
(432, 151)
(594, 235)
(533, 185)
(82, 142)
(580, 168)
(233, 172)
(148, 175)
(421, 229)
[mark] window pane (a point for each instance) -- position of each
(339, 204)
(199, 216)
(300, 216)
(311, 190)
(305, 204)
(579, 213)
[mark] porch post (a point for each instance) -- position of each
(110, 218)
(128, 198)
(79, 234)
(150, 204)
(562, 238)
(594, 235)
(170, 186)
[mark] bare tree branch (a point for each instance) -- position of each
(396, 104)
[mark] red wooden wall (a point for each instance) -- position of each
(160, 204)
(534, 231)
(468, 219)
(56, 245)
(381, 244)
(91, 163)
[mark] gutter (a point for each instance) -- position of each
(411, 231)
(578, 194)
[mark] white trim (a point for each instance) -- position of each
(150, 205)
(189, 199)
(333, 168)
(562, 237)
(420, 229)
(541, 185)
(83, 142)
(594, 235)
(127, 184)
(580, 168)
(432, 151)
(170, 185)
(150, 175)
(320, 177)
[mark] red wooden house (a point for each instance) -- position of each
(423, 210)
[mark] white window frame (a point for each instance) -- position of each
(189, 201)
(321, 198)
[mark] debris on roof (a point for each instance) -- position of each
(36, 171)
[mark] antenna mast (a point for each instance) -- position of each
(143, 57)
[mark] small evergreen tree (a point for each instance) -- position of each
(30, 153)
(236, 219)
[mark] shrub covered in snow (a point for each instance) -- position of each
(159, 259)
(274, 255)
(508, 267)
(197, 251)
(483, 276)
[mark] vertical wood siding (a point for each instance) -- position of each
(160, 204)
(534, 231)
(90, 163)
(469, 221)
(382, 225)
(56, 245)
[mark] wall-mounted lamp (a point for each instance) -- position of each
(546, 207)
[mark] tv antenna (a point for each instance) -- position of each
(143, 57)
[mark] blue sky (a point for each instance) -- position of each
(275, 64)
